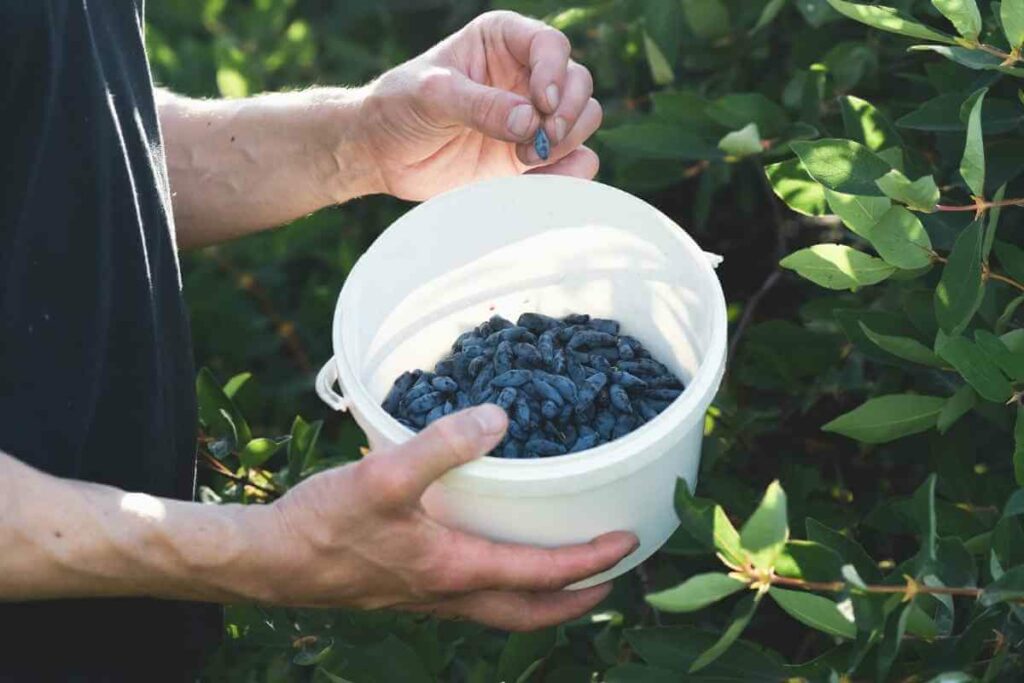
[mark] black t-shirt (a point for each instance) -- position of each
(96, 375)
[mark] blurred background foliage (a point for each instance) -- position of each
(675, 77)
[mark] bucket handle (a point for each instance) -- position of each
(325, 380)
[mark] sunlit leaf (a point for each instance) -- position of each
(885, 418)
(837, 266)
(889, 19)
(842, 165)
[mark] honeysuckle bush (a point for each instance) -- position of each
(858, 510)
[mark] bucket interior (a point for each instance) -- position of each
(552, 245)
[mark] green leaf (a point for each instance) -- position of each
(858, 213)
(686, 108)
(1009, 586)
(798, 190)
(1010, 362)
(961, 289)
(258, 451)
(920, 195)
(922, 507)
(1011, 258)
(958, 405)
(817, 13)
(218, 412)
(1007, 315)
(842, 165)
(231, 83)
(661, 68)
(1014, 340)
(696, 593)
(809, 561)
(707, 523)
(865, 124)
(815, 611)
(767, 530)
(708, 19)
(845, 547)
(942, 115)
(741, 616)
(963, 14)
(901, 240)
(972, 59)
(658, 141)
(675, 648)
(743, 142)
(1011, 12)
(906, 348)
(974, 366)
(635, 673)
(768, 14)
(235, 384)
(522, 650)
(892, 639)
(890, 417)
(837, 266)
(993, 224)
(300, 447)
(1018, 446)
(972, 166)
(738, 110)
(889, 19)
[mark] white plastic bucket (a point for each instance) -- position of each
(554, 245)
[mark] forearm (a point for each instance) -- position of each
(239, 166)
(63, 538)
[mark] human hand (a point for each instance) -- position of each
(468, 109)
(357, 536)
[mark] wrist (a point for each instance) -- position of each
(343, 118)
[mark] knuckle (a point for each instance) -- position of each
(381, 483)
(453, 439)
(556, 38)
(583, 73)
(433, 84)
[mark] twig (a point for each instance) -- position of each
(285, 329)
(748, 312)
(215, 465)
(645, 584)
(981, 205)
(769, 282)
(839, 586)
(986, 273)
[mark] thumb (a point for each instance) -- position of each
(496, 113)
(444, 445)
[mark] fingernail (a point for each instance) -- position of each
(490, 417)
(552, 95)
(560, 126)
(519, 120)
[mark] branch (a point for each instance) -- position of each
(1009, 58)
(980, 206)
(285, 329)
(909, 589)
(215, 465)
(986, 273)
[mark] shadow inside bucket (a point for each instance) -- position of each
(597, 269)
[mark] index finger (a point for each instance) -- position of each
(541, 48)
(485, 565)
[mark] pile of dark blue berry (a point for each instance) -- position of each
(567, 384)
